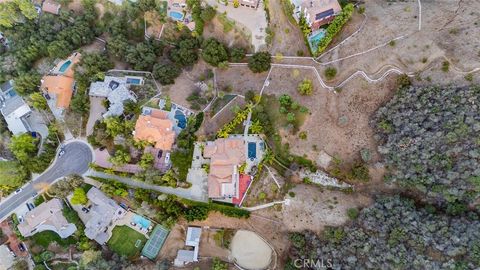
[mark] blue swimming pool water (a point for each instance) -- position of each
(65, 66)
(145, 223)
(12, 93)
(315, 38)
(182, 120)
(135, 81)
(178, 16)
(252, 150)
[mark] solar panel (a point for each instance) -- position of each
(324, 14)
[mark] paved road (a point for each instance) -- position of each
(76, 159)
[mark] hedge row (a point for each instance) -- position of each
(334, 27)
(225, 209)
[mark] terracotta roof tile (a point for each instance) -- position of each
(61, 86)
(225, 155)
(155, 130)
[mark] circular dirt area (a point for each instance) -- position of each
(250, 251)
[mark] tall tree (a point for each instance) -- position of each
(166, 74)
(27, 83)
(214, 52)
(260, 62)
(23, 147)
(38, 101)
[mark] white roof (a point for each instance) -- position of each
(193, 236)
(186, 256)
(15, 122)
(116, 90)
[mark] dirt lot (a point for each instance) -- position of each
(313, 208)
(240, 79)
(446, 31)
(264, 190)
(288, 39)
(233, 38)
(185, 84)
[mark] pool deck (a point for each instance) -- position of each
(125, 221)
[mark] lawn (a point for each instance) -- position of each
(123, 241)
(46, 237)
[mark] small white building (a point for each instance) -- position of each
(185, 256)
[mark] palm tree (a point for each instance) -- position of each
(256, 127)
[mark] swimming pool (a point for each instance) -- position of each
(12, 93)
(145, 223)
(177, 16)
(315, 38)
(65, 66)
(135, 81)
(182, 120)
(252, 150)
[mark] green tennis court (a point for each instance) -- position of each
(155, 242)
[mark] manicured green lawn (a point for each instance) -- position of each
(123, 241)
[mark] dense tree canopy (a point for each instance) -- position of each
(166, 73)
(394, 234)
(430, 141)
(260, 62)
(214, 52)
(237, 54)
(26, 83)
(23, 146)
(50, 35)
(12, 12)
(185, 52)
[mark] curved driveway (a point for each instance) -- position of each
(76, 159)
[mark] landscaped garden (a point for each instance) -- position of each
(124, 241)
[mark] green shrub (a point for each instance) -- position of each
(352, 213)
(445, 66)
(330, 73)
(298, 240)
(305, 87)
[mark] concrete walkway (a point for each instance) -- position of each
(180, 192)
(258, 207)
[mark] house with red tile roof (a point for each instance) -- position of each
(226, 156)
(155, 128)
(232, 164)
(58, 86)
